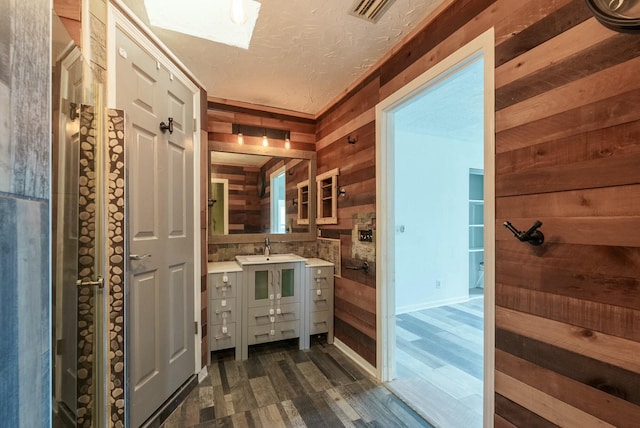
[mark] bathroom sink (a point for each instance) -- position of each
(272, 258)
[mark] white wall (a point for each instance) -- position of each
(431, 199)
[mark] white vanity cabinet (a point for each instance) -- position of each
(225, 306)
(318, 300)
(273, 302)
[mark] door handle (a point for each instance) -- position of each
(99, 282)
(138, 256)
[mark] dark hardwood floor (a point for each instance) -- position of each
(439, 363)
(281, 386)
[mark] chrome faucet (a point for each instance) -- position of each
(267, 247)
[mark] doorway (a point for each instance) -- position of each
(436, 237)
(219, 206)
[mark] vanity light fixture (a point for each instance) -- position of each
(287, 142)
(249, 134)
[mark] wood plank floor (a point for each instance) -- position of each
(281, 386)
(439, 363)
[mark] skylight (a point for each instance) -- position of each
(207, 19)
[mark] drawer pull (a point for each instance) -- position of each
(261, 316)
(319, 300)
(287, 313)
(224, 285)
(293, 330)
(218, 311)
(222, 336)
(261, 334)
(318, 278)
(319, 322)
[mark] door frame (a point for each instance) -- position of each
(225, 185)
(119, 16)
(483, 45)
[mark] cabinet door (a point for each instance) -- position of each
(320, 277)
(222, 285)
(222, 311)
(260, 285)
(287, 283)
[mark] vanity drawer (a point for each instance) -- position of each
(319, 302)
(220, 309)
(319, 322)
(262, 315)
(220, 340)
(320, 277)
(281, 331)
(218, 288)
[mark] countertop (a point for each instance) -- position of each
(314, 262)
(222, 267)
(233, 266)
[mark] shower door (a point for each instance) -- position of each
(77, 237)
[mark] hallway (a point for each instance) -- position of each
(439, 363)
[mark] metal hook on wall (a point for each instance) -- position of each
(167, 127)
(533, 236)
(364, 267)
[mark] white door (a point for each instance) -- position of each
(160, 203)
(67, 230)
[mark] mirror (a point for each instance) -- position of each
(253, 193)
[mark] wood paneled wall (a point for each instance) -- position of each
(221, 115)
(69, 12)
(568, 154)
(244, 200)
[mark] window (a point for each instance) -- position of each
(278, 196)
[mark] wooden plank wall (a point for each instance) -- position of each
(297, 170)
(244, 201)
(568, 154)
(69, 12)
(222, 114)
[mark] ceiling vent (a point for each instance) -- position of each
(370, 10)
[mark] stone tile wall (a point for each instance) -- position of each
(226, 252)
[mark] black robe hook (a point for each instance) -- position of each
(533, 236)
(165, 127)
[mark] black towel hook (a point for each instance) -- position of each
(167, 127)
(533, 236)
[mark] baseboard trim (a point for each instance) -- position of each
(203, 374)
(432, 304)
(351, 354)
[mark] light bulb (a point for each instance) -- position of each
(238, 14)
(287, 143)
(265, 141)
(240, 138)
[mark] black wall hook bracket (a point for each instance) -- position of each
(165, 127)
(533, 236)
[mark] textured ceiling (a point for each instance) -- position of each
(303, 53)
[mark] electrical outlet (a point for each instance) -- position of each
(365, 235)
(437, 283)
